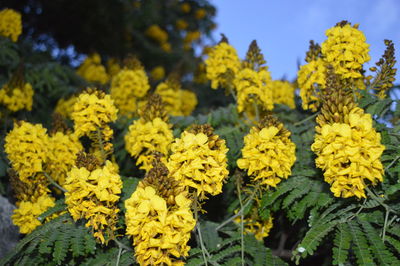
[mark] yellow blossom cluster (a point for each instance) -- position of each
(146, 137)
(63, 150)
(177, 102)
(65, 107)
(127, 87)
(283, 93)
(159, 218)
(92, 70)
(311, 80)
(18, 97)
(185, 7)
(27, 213)
(181, 24)
(200, 13)
(349, 153)
(190, 37)
(259, 228)
(199, 161)
(346, 50)
(222, 65)
(93, 111)
(93, 195)
(10, 24)
(268, 154)
(27, 149)
(253, 87)
(157, 73)
(156, 33)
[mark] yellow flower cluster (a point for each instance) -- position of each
(65, 107)
(92, 70)
(283, 93)
(92, 112)
(27, 149)
(185, 7)
(253, 88)
(27, 213)
(268, 154)
(260, 229)
(222, 64)
(346, 50)
(146, 137)
(16, 98)
(349, 153)
(160, 221)
(127, 87)
(10, 24)
(200, 13)
(311, 79)
(161, 36)
(63, 150)
(181, 24)
(199, 161)
(190, 37)
(93, 195)
(157, 73)
(177, 102)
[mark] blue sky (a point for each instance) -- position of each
(283, 28)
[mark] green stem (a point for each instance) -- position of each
(241, 219)
(249, 200)
(121, 245)
(359, 210)
(119, 256)
(203, 248)
(256, 111)
(305, 120)
(101, 144)
(394, 160)
(54, 183)
(385, 225)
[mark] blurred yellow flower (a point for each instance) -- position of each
(10, 24)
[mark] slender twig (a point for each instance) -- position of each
(359, 210)
(256, 111)
(385, 225)
(306, 119)
(203, 248)
(54, 183)
(394, 160)
(101, 144)
(119, 256)
(229, 220)
(122, 245)
(238, 187)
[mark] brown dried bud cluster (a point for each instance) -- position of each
(154, 108)
(270, 121)
(58, 124)
(89, 161)
(254, 58)
(314, 52)
(131, 62)
(158, 178)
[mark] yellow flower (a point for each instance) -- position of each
(171, 95)
(259, 228)
(200, 13)
(63, 150)
(312, 80)
(253, 87)
(65, 107)
(157, 73)
(159, 219)
(222, 65)
(156, 33)
(126, 87)
(17, 98)
(346, 50)
(283, 93)
(268, 154)
(199, 161)
(181, 24)
(92, 112)
(349, 153)
(27, 149)
(92, 70)
(10, 24)
(113, 68)
(93, 195)
(166, 46)
(185, 7)
(27, 213)
(188, 102)
(146, 137)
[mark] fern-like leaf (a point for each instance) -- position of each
(341, 242)
(360, 247)
(61, 247)
(384, 256)
(394, 243)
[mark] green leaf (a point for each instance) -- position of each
(341, 243)
(360, 246)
